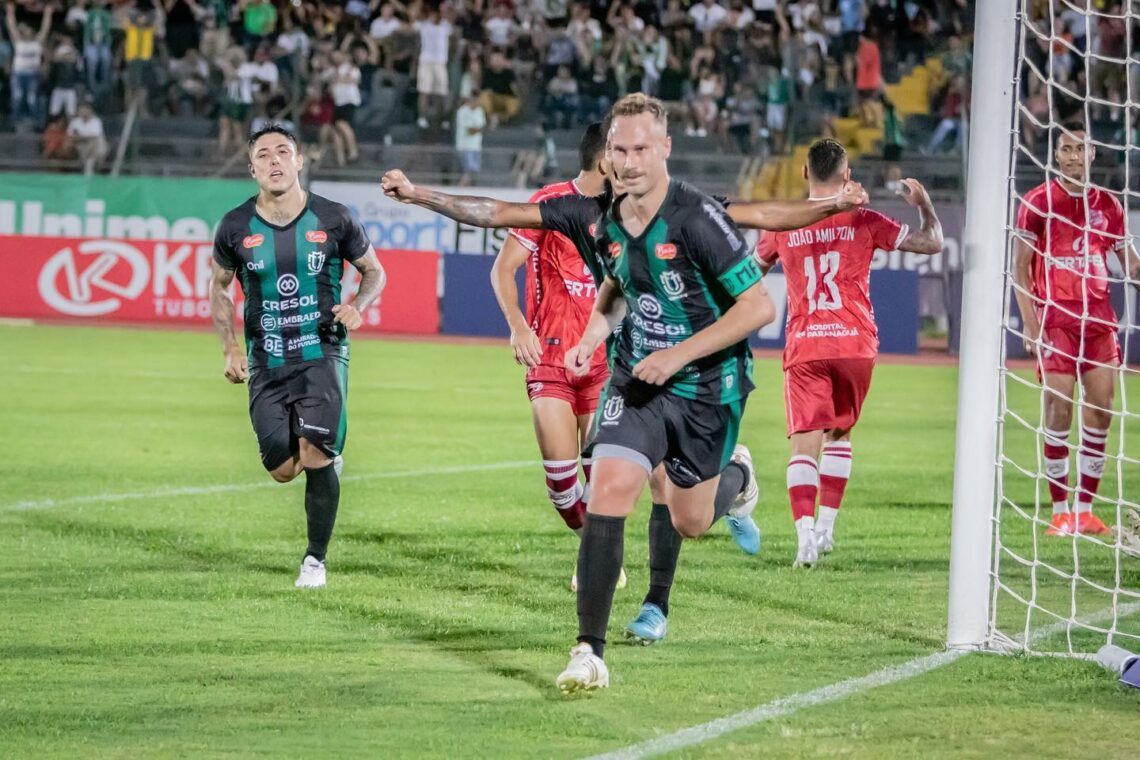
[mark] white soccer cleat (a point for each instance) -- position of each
(746, 501)
(312, 573)
(585, 672)
(622, 580)
(824, 542)
(808, 552)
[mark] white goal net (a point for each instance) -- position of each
(1058, 585)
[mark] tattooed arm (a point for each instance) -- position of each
(474, 210)
(222, 313)
(372, 281)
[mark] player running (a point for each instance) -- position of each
(831, 338)
(287, 248)
(560, 291)
(1066, 228)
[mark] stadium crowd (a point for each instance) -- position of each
(740, 72)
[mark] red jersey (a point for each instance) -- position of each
(1054, 222)
(560, 290)
(827, 268)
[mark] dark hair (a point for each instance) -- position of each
(592, 146)
(825, 157)
(1071, 127)
(271, 129)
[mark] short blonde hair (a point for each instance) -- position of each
(637, 103)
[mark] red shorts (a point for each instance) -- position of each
(1062, 354)
(826, 394)
(556, 382)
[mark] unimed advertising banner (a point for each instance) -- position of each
(167, 282)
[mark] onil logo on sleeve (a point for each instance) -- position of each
(255, 266)
(287, 284)
(81, 283)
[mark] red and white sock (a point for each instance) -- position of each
(565, 491)
(803, 486)
(834, 471)
(1056, 450)
(1090, 463)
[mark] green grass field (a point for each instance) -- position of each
(147, 608)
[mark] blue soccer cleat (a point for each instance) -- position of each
(744, 532)
(649, 626)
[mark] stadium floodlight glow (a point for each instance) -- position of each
(1013, 587)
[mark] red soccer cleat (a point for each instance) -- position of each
(1063, 525)
(1092, 525)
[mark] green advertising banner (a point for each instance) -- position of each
(133, 208)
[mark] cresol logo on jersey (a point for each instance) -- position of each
(390, 224)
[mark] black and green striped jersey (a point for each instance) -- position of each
(678, 277)
(290, 276)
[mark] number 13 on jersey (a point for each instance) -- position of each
(823, 268)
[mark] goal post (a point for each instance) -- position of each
(1045, 537)
(986, 246)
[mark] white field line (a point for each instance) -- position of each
(166, 493)
(779, 708)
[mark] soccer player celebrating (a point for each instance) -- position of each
(560, 293)
(1066, 228)
(831, 337)
(287, 248)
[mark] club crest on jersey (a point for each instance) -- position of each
(1097, 219)
(252, 241)
(672, 284)
(615, 250)
(316, 236)
(612, 410)
(316, 260)
(665, 251)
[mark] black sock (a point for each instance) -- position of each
(599, 564)
(322, 496)
(732, 481)
(664, 548)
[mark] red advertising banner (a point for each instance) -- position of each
(167, 283)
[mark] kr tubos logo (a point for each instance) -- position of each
(316, 261)
(92, 278)
(612, 410)
(673, 284)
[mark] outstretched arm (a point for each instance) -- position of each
(45, 24)
(222, 314)
(474, 210)
(792, 215)
(928, 238)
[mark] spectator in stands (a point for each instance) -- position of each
(344, 83)
(27, 60)
(597, 90)
(138, 52)
(673, 15)
(560, 51)
(852, 28)
(53, 142)
(779, 98)
(501, 27)
(869, 80)
(385, 24)
(259, 20)
(653, 50)
(272, 112)
(707, 16)
(181, 26)
(431, 71)
(500, 95)
(97, 26)
(238, 75)
(215, 39)
(317, 131)
(470, 123)
(189, 85)
(742, 115)
(64, 79)
(952, 107)
(586, 32)
(86, 137)
(293, 48)
(710, 89)
(562, 99)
